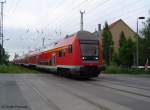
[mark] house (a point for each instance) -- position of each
(116, 28)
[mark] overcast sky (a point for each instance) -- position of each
(26, 22)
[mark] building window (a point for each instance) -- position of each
(60, 53)
(70, 48)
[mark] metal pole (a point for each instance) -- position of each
(81, 24)
(137, 47)
(137, 50)
(1, 26)
(2, 23)
(43, 42)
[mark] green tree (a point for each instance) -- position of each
(107, 44)
(126, 51)
(130, 52)
(141, 47)
(122, 39)
(3, 56)
(117, 56)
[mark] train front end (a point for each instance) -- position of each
(90, 58)
(90, 55)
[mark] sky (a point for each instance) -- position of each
(27, 22)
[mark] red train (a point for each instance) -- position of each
(78, 55)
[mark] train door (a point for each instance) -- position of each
(53, 59)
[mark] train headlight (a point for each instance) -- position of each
(96, 58)
(84, 58)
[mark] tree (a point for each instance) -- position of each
(130, 53)
(122, 39)
(126, 51)
(117, 56)
(141, 48)
(146, 45)
(107, 44)
(3, 56)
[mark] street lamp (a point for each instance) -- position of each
(137, 51)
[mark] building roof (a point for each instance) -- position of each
(118, 21)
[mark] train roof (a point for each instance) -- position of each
(82, 35)
(85, 35)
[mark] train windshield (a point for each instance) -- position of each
(90, 49)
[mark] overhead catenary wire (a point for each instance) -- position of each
(74, 11)
(74, 18)
(73, 7)
(83, 1)
(76, 4)
(12, 11)
(114, 10)
(74, 27)
(67, 25)
(101, 14)
(99, 19)
(114, 18)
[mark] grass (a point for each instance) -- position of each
(109, 70)
(121, 70)
(15, 69)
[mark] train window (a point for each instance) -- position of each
(60, 53)
(70, 48)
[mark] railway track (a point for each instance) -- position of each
(83, 98)
(47, 91)
(126, 81)
(46, 100)
(101, 83)
(124, 84)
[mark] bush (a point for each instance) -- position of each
(121, 70)
(15, 69)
